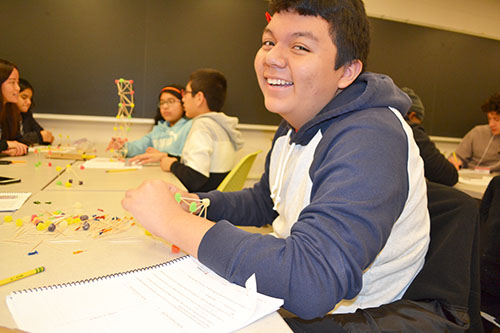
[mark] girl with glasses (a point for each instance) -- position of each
(169, 133)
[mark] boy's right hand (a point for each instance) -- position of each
(456, 162)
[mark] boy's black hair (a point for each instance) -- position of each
(492, 104)
(213, 84)
(349, 26)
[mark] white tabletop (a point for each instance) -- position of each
(72, 255)
(473, 183)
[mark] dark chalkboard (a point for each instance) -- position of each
(72, 52)
(452, 73)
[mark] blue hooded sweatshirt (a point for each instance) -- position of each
(165, 138)
(346, 196)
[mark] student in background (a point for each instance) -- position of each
(169, 133)
(343, 187)
(9, 115)
(209, 153)
(31, 131)
(437, 168)
(480, 147)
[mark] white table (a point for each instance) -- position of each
(473, 183)
(77, 255)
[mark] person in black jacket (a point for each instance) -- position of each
(436, 167)
(9, 115)
(31, 131)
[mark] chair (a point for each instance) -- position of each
(445, 295)
(236, 178)
(489, 216)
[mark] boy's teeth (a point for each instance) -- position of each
(279, 82)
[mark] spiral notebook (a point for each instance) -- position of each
(181, 295)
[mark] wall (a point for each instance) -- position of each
(478, 18)
(72, 51)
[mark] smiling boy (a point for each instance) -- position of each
(343, 185)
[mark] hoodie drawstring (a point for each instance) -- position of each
(278, 181)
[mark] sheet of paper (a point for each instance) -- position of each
(12, 201)
(109, 164)
(183, 296)
(474, 177)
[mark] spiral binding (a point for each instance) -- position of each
(99, 278)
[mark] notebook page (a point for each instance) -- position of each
(184, 296)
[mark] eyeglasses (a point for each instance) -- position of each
(184, 92)
(169, 102)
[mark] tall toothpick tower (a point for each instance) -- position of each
(125, 108)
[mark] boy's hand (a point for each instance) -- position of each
(166, 162)
(153, 205)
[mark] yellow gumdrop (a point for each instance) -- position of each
(41, 226)
(147, 233)
(19, 222)
(68, 166)
(8, 218)
(67, 184)
(58, 168)
(76, 220)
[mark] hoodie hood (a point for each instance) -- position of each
(369, 90)
(229, 125)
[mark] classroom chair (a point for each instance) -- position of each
(445, 294)
(236, 178)
(489, 217)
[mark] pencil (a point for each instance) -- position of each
(22, 275)
(455, 157)
(121, 170)
(13, 162)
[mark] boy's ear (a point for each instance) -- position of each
(199, 97)
(351, 72)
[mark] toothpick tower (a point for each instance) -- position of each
(125, 108)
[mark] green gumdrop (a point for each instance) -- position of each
(192, 207)
(177, 197)
(59, 182)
